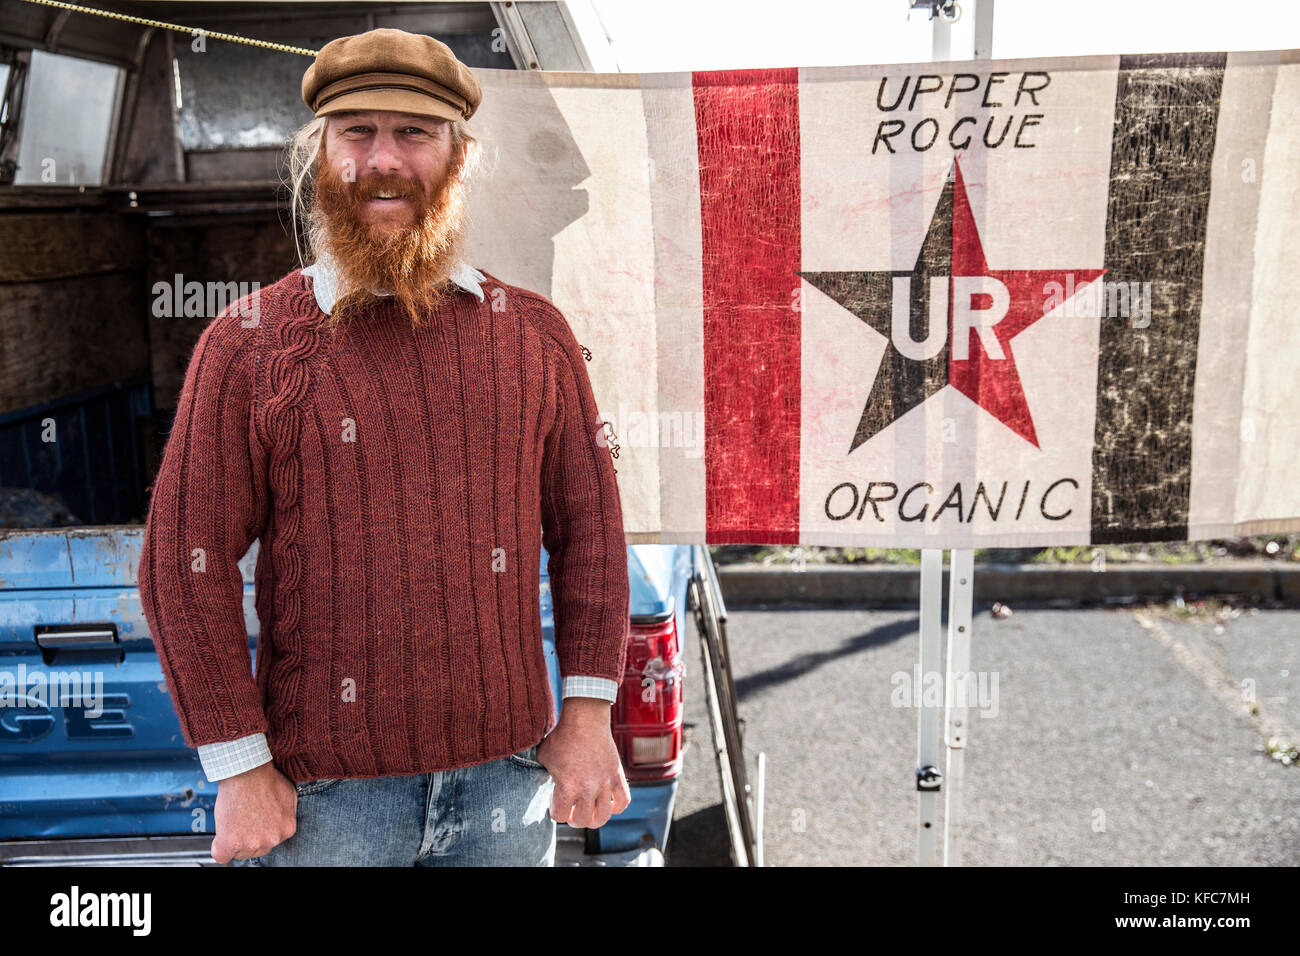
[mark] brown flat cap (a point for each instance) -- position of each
(388, 69)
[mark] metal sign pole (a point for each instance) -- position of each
(928, 708)
(961, 591)
(958, 689)
(947, 703)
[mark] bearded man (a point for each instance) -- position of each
(402, 433)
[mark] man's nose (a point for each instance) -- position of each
(384, 155)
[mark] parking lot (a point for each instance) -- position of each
(1114, 736)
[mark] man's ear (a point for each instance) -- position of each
(464, 158)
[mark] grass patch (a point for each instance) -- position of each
(1273, 547)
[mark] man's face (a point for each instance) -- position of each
(389, 207)
(390, 153)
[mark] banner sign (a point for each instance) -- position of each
(1000, 303)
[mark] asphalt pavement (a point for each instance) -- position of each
(1107, 736)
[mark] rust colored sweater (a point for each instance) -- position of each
(402, 483)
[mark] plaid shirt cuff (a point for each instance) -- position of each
(579, 685)
(230, 757)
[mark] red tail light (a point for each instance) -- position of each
(647, 718)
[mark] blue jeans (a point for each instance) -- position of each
(470, 816)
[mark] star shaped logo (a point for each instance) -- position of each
(950, 321)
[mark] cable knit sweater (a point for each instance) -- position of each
(402, 483)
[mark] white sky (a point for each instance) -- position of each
(672, 35)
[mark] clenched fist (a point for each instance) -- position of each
(583, 760)
(256, 810)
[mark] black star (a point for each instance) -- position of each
(901, 383)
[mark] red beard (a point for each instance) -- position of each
(413, 261)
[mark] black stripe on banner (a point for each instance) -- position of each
(1166, 116)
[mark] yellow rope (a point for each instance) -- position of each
(283, 48)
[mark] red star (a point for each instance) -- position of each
(994, 383)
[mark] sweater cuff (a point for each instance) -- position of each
(230, 757)
(580, 685)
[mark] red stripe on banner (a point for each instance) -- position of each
(747, 128)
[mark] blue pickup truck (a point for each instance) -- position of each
(93, 767)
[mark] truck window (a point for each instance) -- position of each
(58, 145)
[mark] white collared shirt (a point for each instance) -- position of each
(325, 281)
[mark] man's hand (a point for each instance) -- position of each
(256, 810)
(582, 758)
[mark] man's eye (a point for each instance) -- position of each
(364, 129)
(414, 129)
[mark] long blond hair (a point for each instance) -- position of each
(304, 149)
